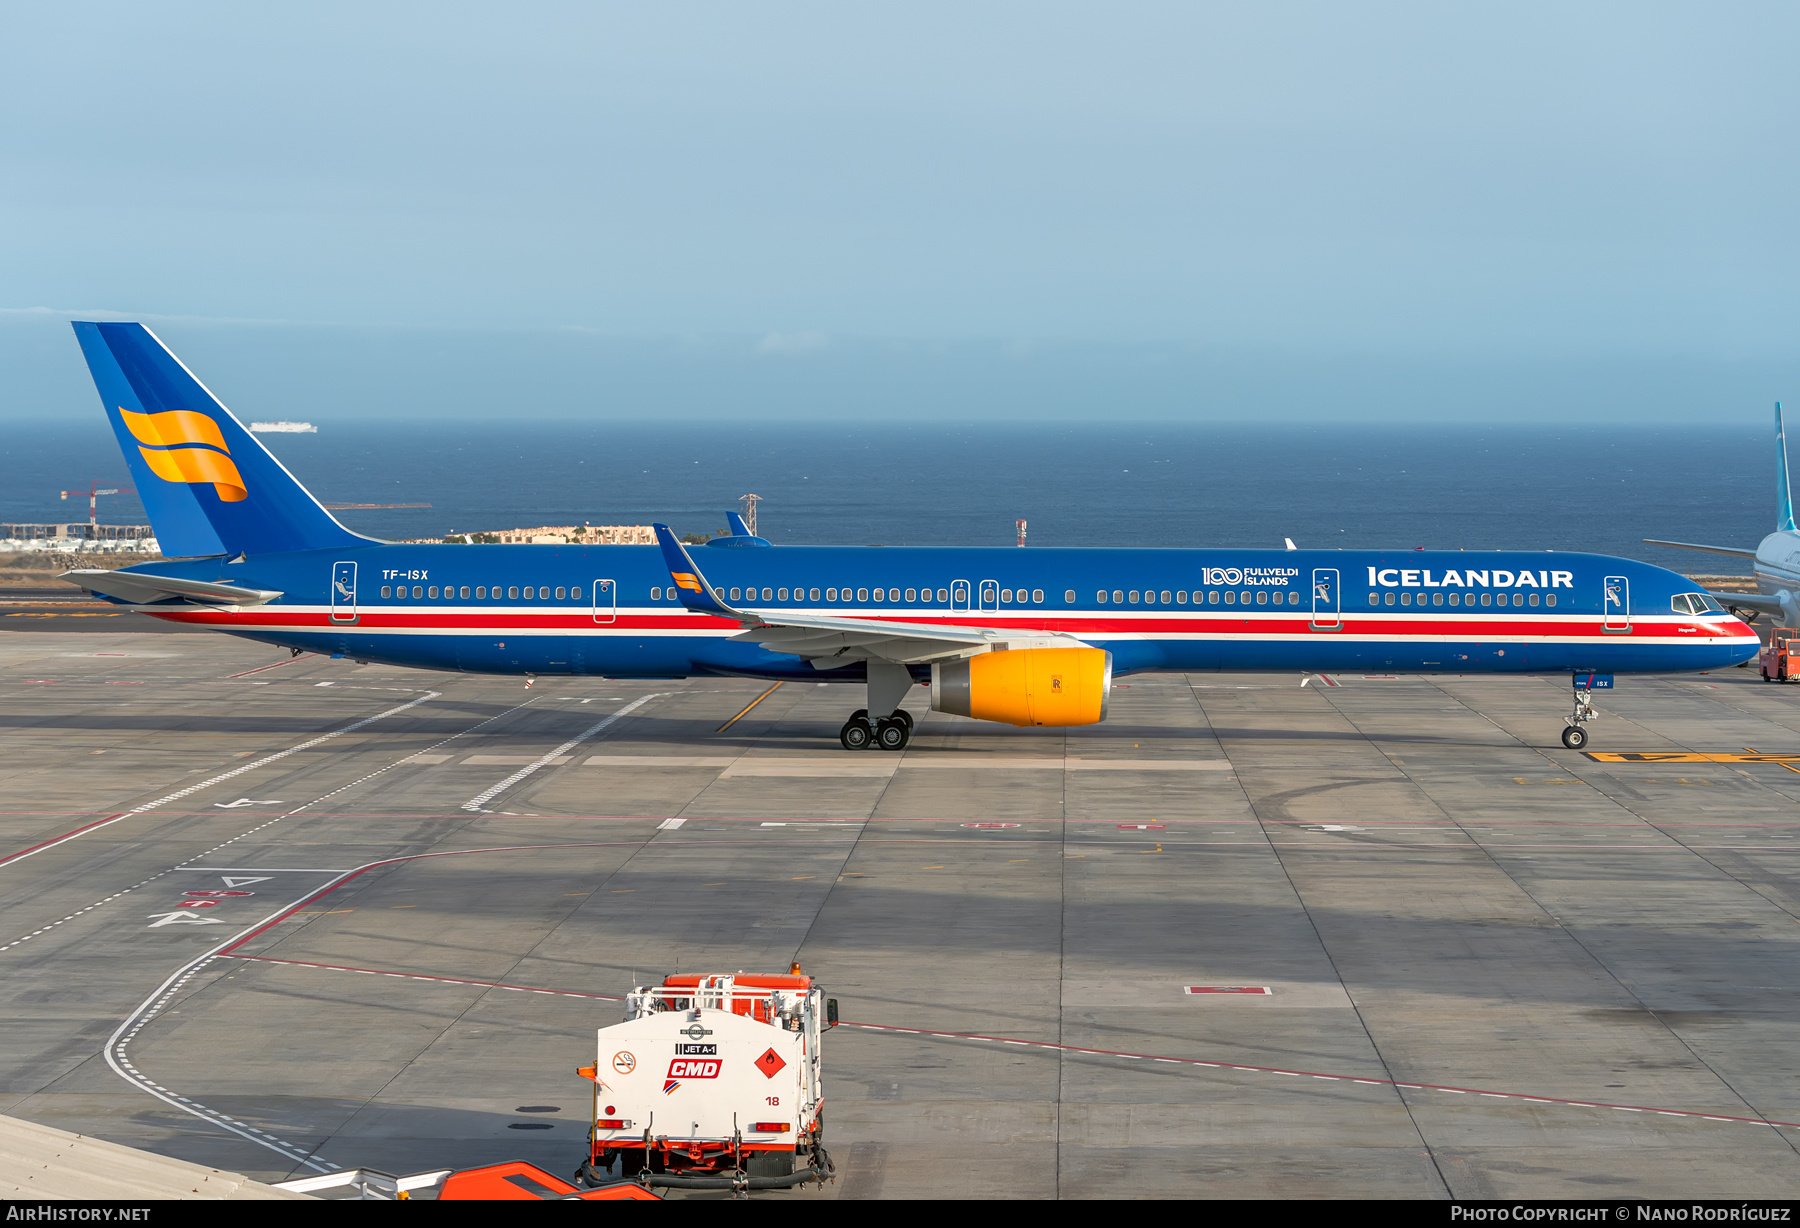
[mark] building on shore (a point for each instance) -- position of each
(558, 535)
(79, 536)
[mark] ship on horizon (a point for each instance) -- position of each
(284, 427)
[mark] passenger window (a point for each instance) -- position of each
(512, 592)
(944, 594)
(1374, 598)
(465, 592)
(781, 594)
(1455, 598)
(1212, 598)
(831, 594)
(718, 594)
(1132, 596)
(1118, 596)
(814, 595)
(862, 594)
(432, 592)
(1534, 599)
(1181, 597)
(1100, 597)
(1294, 597)
(1437, 599)
(1069, 596)
(529, 591)
(1037, 596)
(1518, 599)
(417, 592)
(562, 593)
(656, 594)
(481, 592)
(1262, 596)
(1165, 597)
(1388, 598)
(1230, 598)
(1405, 598)
(911, 596)
(387, 590)
(1006, 596)
(1487, 598)
(878, 594)
(1549, 599)
(893, 594)
(1245, 598)
(737, 594)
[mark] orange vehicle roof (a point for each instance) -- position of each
(751, 981)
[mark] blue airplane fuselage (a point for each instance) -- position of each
(611, 610)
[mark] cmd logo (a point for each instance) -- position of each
(694, 1068)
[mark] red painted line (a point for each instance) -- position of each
(68, 835)
(1039, 1044)
(1435, 1087)
(312, 897)
(415, 976)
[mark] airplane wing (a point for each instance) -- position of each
(1741, 554)
(139, 589)
(827, 642)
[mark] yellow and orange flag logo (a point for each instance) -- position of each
(180, 449)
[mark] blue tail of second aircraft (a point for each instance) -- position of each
(1784, 497)
(209, 485)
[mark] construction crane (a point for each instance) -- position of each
(366, 507)
(93, 493)
(750, 502)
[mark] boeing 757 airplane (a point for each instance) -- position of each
(1023, 637)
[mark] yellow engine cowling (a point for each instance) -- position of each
(1026, 686)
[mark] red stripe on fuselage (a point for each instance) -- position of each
(1433, 626)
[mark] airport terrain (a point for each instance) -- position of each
(1497, 968)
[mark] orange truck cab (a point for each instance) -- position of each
(1776, 659)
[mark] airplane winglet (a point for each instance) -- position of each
(691, 588)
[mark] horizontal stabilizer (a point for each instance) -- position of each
(139, 589)
(1737, 554)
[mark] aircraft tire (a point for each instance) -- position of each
(901, 714)
(855, 735)
(892, 734)
(1574, 737)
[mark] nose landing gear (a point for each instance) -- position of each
(1574, 736)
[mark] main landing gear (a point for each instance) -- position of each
(888, 733)
(1575, 737)
(888, 685)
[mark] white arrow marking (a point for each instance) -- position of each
(245, 801)
(182, 916)
(239, 882)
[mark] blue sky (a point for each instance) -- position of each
(1158, 210)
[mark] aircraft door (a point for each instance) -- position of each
(343, 592)
(990, 596)
(1325, 613)
(606, 601)
(959, 594)
(1616, 603)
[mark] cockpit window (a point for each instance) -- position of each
(1695, 603)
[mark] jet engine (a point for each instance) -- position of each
(1026, 686)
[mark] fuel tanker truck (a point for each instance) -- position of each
(712, 1082)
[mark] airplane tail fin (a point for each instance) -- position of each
(209, 485)
(1784, 498)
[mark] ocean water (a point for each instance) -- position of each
(1579, 488)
